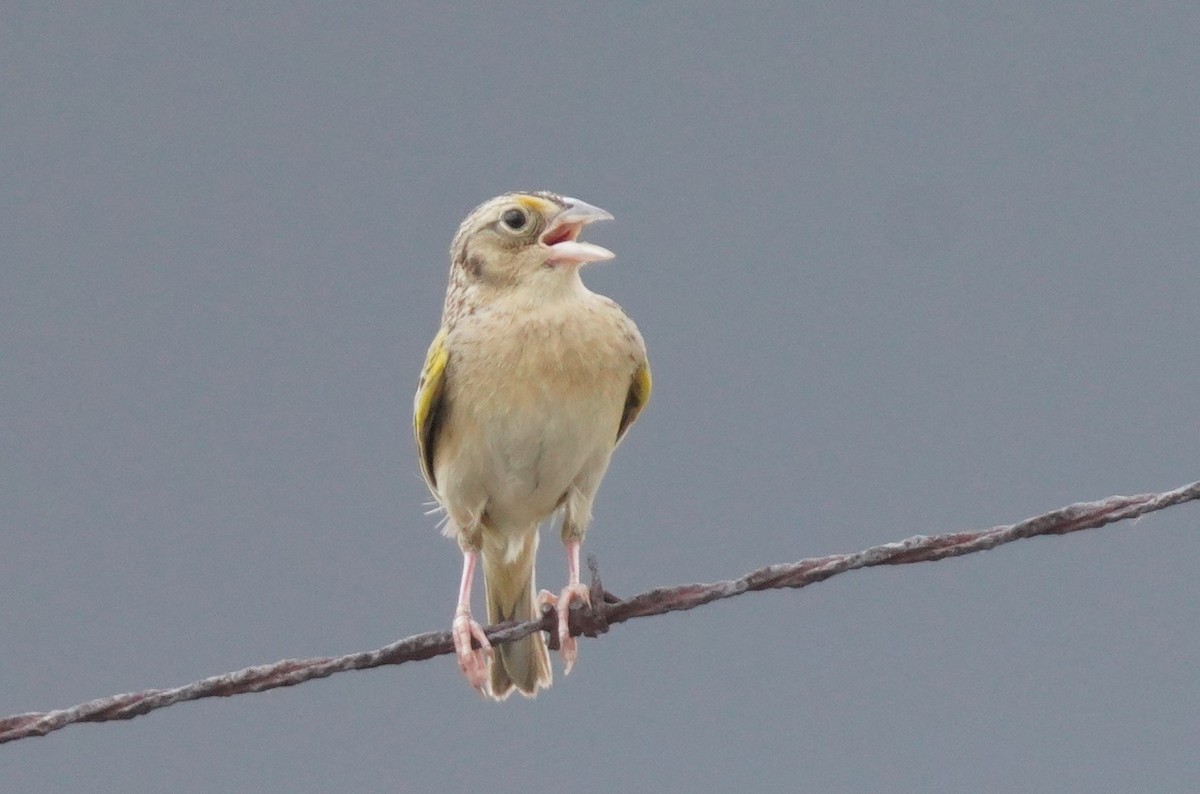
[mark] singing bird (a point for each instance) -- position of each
(529, 385)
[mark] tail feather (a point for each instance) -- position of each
(523, 665)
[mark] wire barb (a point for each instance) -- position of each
(606, 610)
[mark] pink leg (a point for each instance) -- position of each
(568, 646)
(473, 663)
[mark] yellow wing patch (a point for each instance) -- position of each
(427, 405)
(636, 399)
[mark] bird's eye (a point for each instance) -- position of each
(514, 219)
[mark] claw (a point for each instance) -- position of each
(568, 646)
(473, 662)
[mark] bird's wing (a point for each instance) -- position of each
(427, 405)
(636, 399)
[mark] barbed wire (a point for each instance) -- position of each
(606, 610)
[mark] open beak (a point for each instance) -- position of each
(562, 236)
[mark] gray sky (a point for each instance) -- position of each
(901, 268)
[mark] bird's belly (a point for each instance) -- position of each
(531, 457)
(515, 463)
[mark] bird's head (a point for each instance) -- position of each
(525, 239)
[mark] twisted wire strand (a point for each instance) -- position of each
(606, 610)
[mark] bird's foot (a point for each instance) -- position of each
(568, 646)
(472, 661)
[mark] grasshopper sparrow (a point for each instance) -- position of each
(529, 385)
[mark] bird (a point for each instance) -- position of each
(527, 388)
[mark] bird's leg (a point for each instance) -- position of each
(568, 646)
(573, 591)
(473, 663)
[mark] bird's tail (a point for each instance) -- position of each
(523, 665)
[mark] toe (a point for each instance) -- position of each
(568, 645)
(471, 661)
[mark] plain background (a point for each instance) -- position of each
(902, 268)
